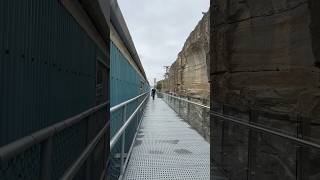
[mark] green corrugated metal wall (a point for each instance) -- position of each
(125, 80)
(125, 83)
(47, 74)
(47, 67)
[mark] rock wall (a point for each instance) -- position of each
(265, 56)
(188, 75)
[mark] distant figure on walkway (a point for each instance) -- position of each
(153, 93)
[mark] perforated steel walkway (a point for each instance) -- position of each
(167, 148)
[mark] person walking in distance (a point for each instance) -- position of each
(153, 92)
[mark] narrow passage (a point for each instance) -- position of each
(167, 148)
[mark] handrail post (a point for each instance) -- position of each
(303, 131)
(179, 105)
(175, 104)
(124, 118)
(188, 109)
(88, 162)
(252, 143)
(203, 121)
(45, 159)
(203, 118)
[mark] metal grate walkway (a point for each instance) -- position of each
(167, 148)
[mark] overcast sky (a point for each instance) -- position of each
(159, 29)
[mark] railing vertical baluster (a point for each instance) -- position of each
(175, 104)
(172, 102)
(188, 110)
(252, 143)
(45, 159)
(303, 152)
(203, 120)
(179, 105)
(124, 118)
(203, 117)
(222, 135)
(88, 162)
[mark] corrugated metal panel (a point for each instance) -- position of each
(47, 74)
(125, 83)
(48, 67)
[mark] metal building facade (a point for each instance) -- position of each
(127, 81)
(51, 70)
(48, 67)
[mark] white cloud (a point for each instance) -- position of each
(159, 29)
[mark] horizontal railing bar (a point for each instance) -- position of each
(198, 104)
(268, 114)
(11, 150)
(130, 150)
(266, 130)
(76, 166)
(116, 137)
(116, 107)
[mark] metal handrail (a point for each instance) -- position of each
(188, 101)
(122, 131)
(45, 136)
(76, 166)
(116, 107)
(13, 149)
(117, 136)
(265, 130)
(190, 116)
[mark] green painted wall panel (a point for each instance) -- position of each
(125, 83)
(47, 67)
(47, 74)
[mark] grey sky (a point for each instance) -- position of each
(159, 29)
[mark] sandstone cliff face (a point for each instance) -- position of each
(188, 75)
(265, 56)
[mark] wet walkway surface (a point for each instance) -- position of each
(167, 148)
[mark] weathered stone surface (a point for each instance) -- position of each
(265, 55)
(188, 75)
